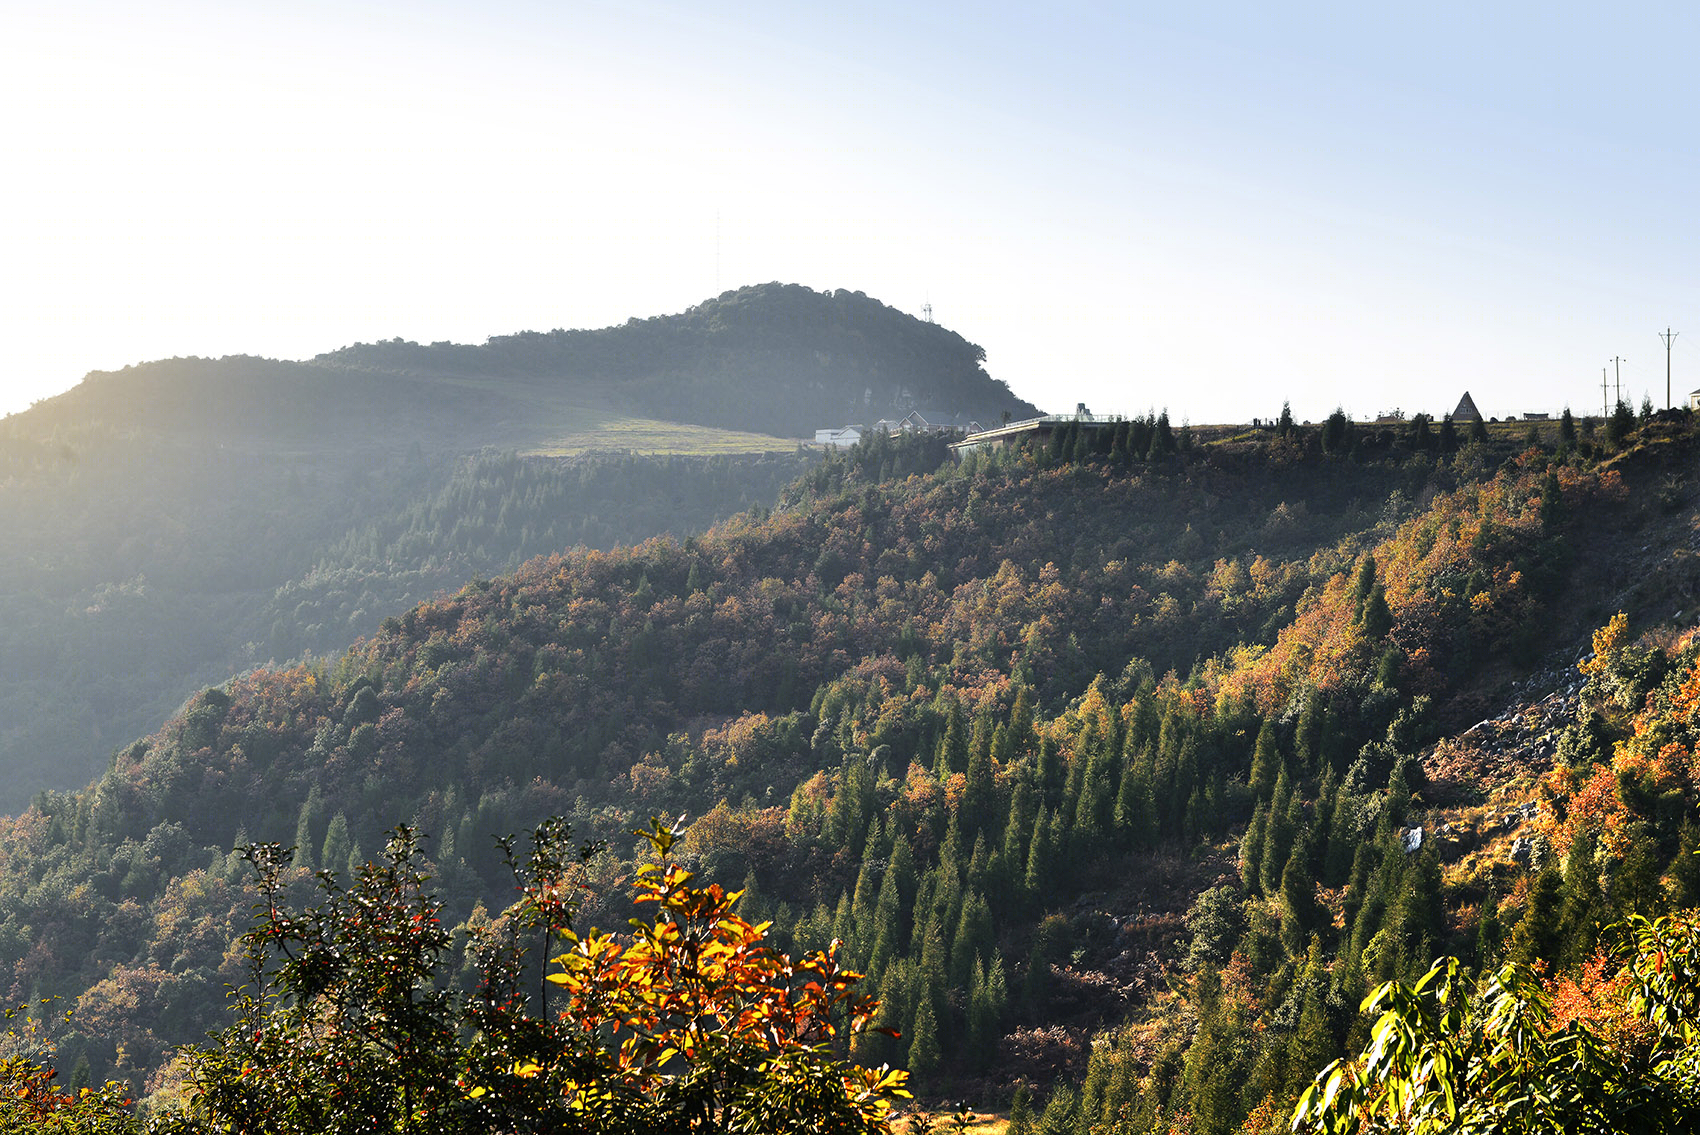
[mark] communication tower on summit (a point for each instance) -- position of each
(927, 311)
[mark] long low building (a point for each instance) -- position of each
(1039, 428)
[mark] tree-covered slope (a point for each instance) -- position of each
(776, 358)
(174, 522)
(996, 725)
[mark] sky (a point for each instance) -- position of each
(1207, 207)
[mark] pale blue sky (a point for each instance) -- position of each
(1209, 207)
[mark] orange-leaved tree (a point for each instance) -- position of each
(32, 1103)
(712, 1028)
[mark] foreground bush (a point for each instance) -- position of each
(689, 1023)
(1455, 1055)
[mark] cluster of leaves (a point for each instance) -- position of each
(1452, 1054)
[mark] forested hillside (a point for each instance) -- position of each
(139, 569)
(776, 358)
(176, 522)
(1103, 757)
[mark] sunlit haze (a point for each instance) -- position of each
(1208, 207)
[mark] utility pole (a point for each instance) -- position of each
(1616, 379)
(1667, 337)
(1605, 411)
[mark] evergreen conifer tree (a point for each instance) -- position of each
(337, 850)
(924, 1052)
(1251, 850)
(1279, 837)
(1448, 434)
(1684, 873)
(1038, 879)
(1020, 1111)
(1265, 763)
(1539, 934)
(305, 821)
(1059, 1114)
(1299, 911)
(1488, 931)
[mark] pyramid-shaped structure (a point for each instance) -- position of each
(1466, 411)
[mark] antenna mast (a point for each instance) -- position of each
(1667, 337)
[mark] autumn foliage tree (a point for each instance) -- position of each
(689, 1023)
(33, 1099)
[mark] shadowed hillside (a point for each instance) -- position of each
(177, 521)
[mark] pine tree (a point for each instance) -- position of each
(1539, 934)
(1448, 434)
(1358, 880)
(1582, 912)
(1162, 438)
(305, 821)
(1251, 850)
(1136, 802)
(952, 754)
(1211, 1075)
(1684, 873)
(1635, 881)
(906, 883)
(1048, 941)
(1313, 1043)
(1362, 583)
(924, 1054)
(335, 853)
(1020, 1112)
(1095, 804)
(1021, 722)
(972, 939)
(988, 995)
(885, 936)
(1056, 839)
(980, 794)
(1017, 826)
(1377, 618)
(843, 920)
(1265, 763)
(1038, 879)
(1343, 842)
(1050, 772)
(1308, 736)
(1299, 911)
(1278, 837)
(1058, 1117)
(979, 866)
(1487, 931)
